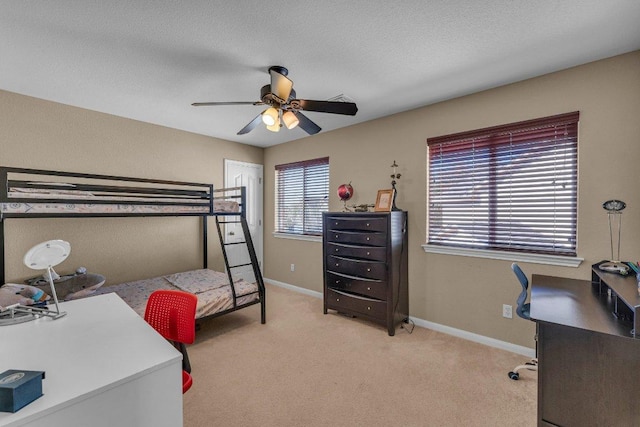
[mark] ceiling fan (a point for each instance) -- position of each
(284, 108)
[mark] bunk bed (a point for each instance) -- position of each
(34, 193)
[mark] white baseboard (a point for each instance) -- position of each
(470, 336)
(481, 339)
(298, 289)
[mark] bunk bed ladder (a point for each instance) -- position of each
(256, 267)
(252, 255)
(224, 245)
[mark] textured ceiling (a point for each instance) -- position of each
(150, 59)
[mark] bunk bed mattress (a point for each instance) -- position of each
(130, 204)
(88, 208)
(211, 287)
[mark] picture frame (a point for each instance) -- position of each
(384, 201)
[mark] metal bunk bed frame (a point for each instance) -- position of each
(143, 192)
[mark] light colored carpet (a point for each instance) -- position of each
(304, 368)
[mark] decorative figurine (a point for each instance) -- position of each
(362, 208)
(394, 176)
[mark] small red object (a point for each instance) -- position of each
(345, 192)
(187, 381)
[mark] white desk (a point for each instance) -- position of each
(104, 366)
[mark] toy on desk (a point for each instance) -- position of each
(615, 267)
(44, 255)
(71, 286)
(47, 255)
(13, 293)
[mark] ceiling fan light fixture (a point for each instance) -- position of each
(270, 117)
(274, 127)
(290, 120)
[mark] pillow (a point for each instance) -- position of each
(12, 293)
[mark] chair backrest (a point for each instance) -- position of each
(522, 309)
(173, 315)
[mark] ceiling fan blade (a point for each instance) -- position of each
(207, 104)
(335, 107)
(306, 124)
(251, 125)
(280, 84)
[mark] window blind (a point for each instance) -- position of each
(510, 187)
(302, 194)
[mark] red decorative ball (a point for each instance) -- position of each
(345, 192)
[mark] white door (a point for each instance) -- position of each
(249, 175)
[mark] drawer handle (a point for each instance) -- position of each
(337, 250)
(368, 308)
(336, 236)
(368, 253)
(368, 288)
(368, 238)
(337, 281)
(337, 264)
(337, 299)
(337, 223)
(367, 224)
(368, 269)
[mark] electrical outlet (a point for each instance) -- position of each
(293, 267)
(507, 311)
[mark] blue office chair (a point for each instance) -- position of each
(523, 310)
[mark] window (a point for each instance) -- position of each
(302, 194)
(511, 187)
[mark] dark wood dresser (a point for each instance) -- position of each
(365, 265)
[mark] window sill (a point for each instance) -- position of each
(507, 256)
(298, 237)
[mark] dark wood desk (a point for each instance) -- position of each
(589, 362)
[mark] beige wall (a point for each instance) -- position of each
(463, 292)
(460, 292)
(46, 135)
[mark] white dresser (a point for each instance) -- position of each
(104, 366)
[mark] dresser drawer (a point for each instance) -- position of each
(357, 238)
(353, 267)
(357, 224)
(339, 301)
(369, 288)
(361, 252)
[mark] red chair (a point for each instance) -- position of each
(173, 315)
